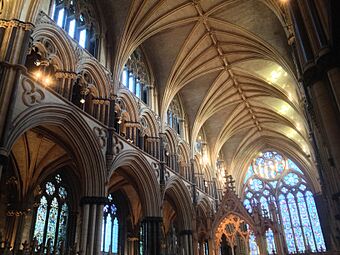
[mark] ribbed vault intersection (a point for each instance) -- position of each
(230, 64)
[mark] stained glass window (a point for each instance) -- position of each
(52, 214)
(110, 229)
(81, 28)
(40, 220)
(253, 248)
(271, 248)
(135, 75)
(279, 187)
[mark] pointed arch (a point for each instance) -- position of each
(130, 104)
(139, 169)
(151, 121)
(53, 41)
(179, 193)
(99, 75)
(75, 133)
(242, 162)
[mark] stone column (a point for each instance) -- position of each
(84, 229)
(14, 40)
(133, 245)
(99, 226)
(211, 246)
(151, 235)
(186, 242)
(92, 218)
(91, 229)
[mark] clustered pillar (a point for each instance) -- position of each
(151, 235)
(318, 63)
(186, 242)
(91, 224)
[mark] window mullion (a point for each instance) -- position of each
(57, 227)
(291, 224)
(104, 232)
(112, 226)
(46, 220)
(300, 220)
(311, 227)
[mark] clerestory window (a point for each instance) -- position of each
(135, 76)
(74, 17)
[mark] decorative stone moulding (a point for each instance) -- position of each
(31, 95)
(101, 135)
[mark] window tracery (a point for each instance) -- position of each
(276, 182)
(110, 228)
(174, 116)
(136, 77)
(52, 214)
(76, 18)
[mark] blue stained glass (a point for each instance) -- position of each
(50, 188)
(256, 185)
(108, 233)
(299, 216)
(62, 193)
(296, 223)
(110, 228)
(307, 229)
(284, 190)
(58, 178)
(115, 236)
(286, 225)
(125, 77)
(131, 82)
(72, 28)
(138, 89)
(292, 165)
(63, 217)
(52, 221)
(40, 221)
(273, 183)
(264, 206)
(291, 179)
(302, 187)
(60, 20)
(254, 249)
(271, 248)
(82, 38)
(249, 195)
(249, 174)
(247, 205)
(320, 242)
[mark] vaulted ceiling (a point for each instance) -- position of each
(230, 63)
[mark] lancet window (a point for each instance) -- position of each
(136, 77)
(75, 17)
(52, 214)
(279, 187)
(174, 116)
(110, 228)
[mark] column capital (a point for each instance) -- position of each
(94, 200)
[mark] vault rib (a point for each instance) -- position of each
(226, 64)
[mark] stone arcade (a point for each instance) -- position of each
(163, 127)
